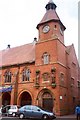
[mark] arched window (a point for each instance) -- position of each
(62, 78)
(8, 76)
(26, 75)
(45, 58)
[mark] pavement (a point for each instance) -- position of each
(67, 116)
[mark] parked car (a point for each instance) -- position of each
(10, 110)
(1, 111)
(30, 111)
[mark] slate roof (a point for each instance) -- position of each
(17, 55)
(50, 15)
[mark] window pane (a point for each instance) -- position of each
(8, 76)
(26, 75)
(46, 59)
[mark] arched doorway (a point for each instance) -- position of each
(25, 99)
(6, 99)
(45, 99)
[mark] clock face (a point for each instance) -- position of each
(46, 29)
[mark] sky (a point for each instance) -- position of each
(19, 18)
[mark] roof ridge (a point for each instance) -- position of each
(16, 47)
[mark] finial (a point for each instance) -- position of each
(8, 46)
(50, 1)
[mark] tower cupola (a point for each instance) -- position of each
(50, 5)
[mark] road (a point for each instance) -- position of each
(58, 118)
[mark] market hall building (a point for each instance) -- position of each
(44, 72)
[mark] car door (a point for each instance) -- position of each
(27, 111)
(5, 110)
(36, 112)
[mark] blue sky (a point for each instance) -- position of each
(19, 18)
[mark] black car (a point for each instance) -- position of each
(30, 111)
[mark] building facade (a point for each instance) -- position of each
(43, 73)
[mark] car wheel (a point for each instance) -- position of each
(45, 117)
(13, 114)
(21, 116)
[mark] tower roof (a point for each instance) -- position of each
(50, 14)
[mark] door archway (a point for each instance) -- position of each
(25, 99)
(6, 97)
(45, 99)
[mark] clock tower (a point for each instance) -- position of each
(51, 37)
(51, 27)
(50, 56)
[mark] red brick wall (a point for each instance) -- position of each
(52, 32)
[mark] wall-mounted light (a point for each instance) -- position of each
(61, 98)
